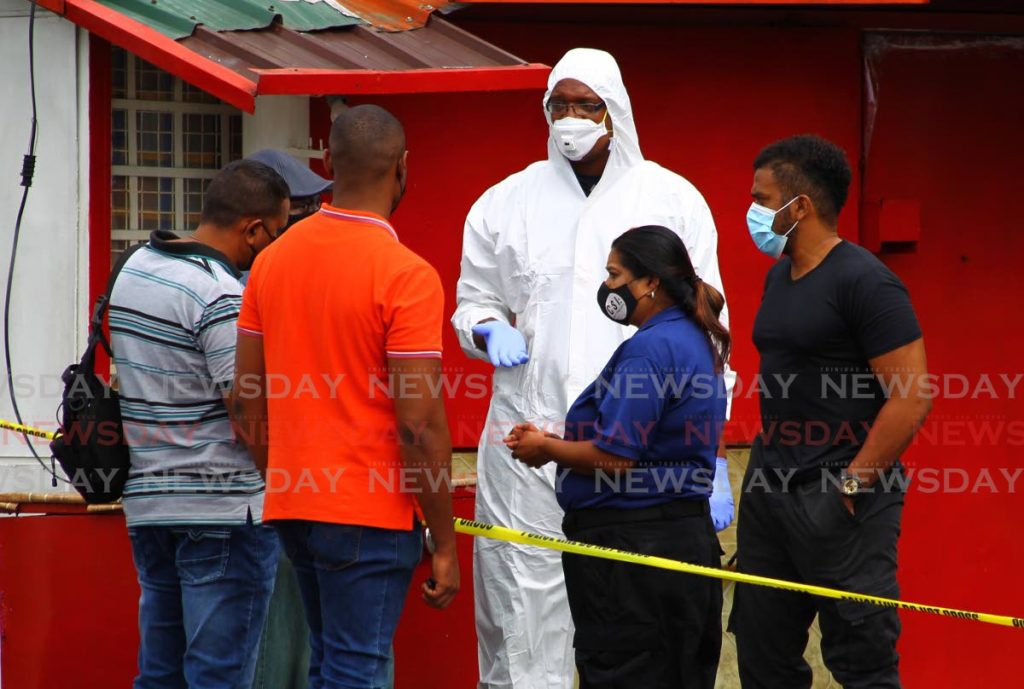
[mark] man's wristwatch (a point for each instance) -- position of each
(850, 485)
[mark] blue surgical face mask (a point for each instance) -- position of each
(760, 221)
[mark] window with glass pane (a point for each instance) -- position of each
(119, 77)
(234, 138)
(168, 140)
(152, 83)
(119, 208)
(202, 136)
(194, 191)
(119, 137)
(155, 142)
(191, 94)
(156, 203)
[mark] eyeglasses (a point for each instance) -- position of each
(557, 107)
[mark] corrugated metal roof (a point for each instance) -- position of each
(179, 18)
(280, 47)
(437, 45)
(395, 15)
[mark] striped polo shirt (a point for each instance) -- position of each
(173, 314)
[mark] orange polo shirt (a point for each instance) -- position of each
(333, 299)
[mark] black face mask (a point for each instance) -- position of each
(618, 304)
(252, 259)
(401, 194)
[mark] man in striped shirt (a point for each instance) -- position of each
(193, 500)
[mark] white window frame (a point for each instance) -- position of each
(178, 108)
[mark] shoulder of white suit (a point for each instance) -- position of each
(509, 188)
(657, 174)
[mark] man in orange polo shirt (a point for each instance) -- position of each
(337, 381)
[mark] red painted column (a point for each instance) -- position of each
(99, 175)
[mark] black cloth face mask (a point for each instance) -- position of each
(618, 304)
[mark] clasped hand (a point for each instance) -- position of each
(527, 444)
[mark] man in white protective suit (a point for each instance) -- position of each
(534, 252)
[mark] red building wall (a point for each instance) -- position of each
(947, 135)
(704, 103)
(706, 98)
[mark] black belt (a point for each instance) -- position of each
(806, 476)
(608, 516)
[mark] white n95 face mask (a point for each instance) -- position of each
(575, 137)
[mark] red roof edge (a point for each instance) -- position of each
(163, 51)
(364, 81)
(239, 91)
(787, 3)
(56, 6)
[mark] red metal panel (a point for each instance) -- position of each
(52, 5)
(99, 177)
(69, 611)
(947, 133)
(806, 3)
(68, 590)
(365, 81)
(436, 649)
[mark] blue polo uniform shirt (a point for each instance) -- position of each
(658, 402)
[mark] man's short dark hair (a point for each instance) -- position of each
(809, 164)
(243, 189)
(365, 142)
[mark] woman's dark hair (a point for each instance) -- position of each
(655, 251)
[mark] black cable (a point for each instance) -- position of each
(28, 167)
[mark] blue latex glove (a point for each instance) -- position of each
(506, 346)
(723, 509)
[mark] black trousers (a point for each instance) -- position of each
(806, 534)
(637, 626)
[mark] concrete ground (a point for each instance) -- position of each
(728, 676)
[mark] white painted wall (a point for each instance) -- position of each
(50, 294)
(50, 297)
(280, 122)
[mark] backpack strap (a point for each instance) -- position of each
(102, 302)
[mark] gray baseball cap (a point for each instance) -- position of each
(301, 180)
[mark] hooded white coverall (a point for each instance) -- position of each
(534, 254)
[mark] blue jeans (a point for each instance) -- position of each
(205, 593)
(354, 580)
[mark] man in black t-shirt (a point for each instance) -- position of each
(842, 369)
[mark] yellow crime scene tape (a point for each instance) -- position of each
(27, 430)
(501, 533)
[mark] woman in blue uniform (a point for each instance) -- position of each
(636, 468)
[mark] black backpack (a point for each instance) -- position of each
(90, 446)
